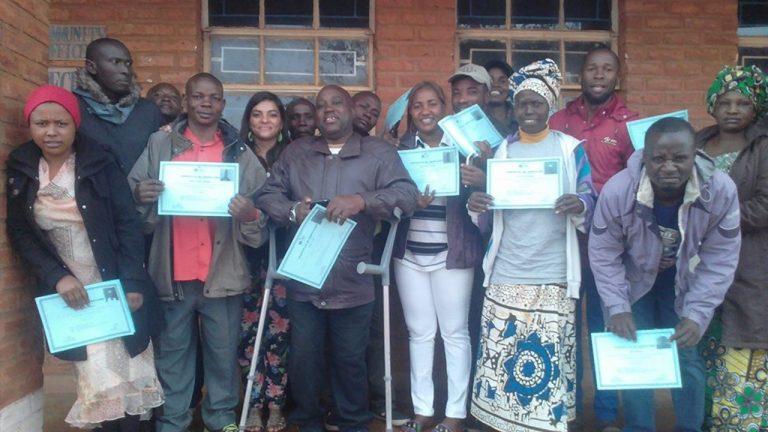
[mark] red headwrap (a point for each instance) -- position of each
(50, 93)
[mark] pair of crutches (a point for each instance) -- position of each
(381, 269)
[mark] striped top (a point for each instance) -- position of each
(426, 247)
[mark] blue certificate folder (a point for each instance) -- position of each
(649, 363)
(437, 167)
(638, 128)
(315, 248)
(106, 317)
(467, 127)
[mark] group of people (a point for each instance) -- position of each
(669, 236)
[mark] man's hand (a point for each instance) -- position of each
(472, 176)
(569, 204)
(302, 209)
(243, 209)
(72, 291)
(485, 153)
(426, 198)
(623, 325)
(135, 300)
(666, 263)
(686, 334)
(148, 191)
(343, 207)
(479, 202)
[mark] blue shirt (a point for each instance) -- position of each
(669, 230)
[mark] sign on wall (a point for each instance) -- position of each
(62, 76)
(68, 42)
(66, 51)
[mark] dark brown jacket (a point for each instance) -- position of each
(367, 166)
(743, 311)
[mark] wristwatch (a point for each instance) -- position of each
(292, 213)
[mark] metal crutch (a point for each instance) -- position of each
(382, 269)
(271, 276)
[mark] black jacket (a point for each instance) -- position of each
(110, 218)
(125, 141)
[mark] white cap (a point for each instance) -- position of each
(477, 73)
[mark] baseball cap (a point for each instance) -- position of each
(477, 73)
(504, 66)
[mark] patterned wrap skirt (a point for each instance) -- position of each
(737, 385)
(526, 371)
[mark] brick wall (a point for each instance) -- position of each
(23, 66)
(163, 35)
(415, 41)
(672, 52)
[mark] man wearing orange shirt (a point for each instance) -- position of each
(198, 263)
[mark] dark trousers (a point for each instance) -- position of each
(606, 402)
(656, 310)
(347, 331)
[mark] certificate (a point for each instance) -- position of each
(638, 128)
(437, 167)
(524, 183)
(315, 248)
(649, 363)
(106, 317)
(197, 188)
(468, 126)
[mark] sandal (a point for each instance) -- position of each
(442, 427)
(254, 423)
(276, 421)
(413, 426)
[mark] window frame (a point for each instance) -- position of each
(314, 33)
(757, 41)
(560, 34)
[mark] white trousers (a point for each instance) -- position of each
(432, 299)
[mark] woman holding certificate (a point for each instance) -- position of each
(736, 345)
(539, 193)
(264, 130)
(72, 218)
(436, 252)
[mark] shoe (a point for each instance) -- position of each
(331, 423)
(398, 418)
(230, 428)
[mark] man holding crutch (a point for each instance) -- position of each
(363, 179)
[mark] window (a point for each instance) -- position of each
(521, 31)
(290, 47)
(753, 33)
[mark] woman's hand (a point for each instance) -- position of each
(569, 204)
(73, 292)
(472, 176)
(135, 300)
(426, 198)
(148, 191)
(479, 202)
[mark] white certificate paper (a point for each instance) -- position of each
(106, 317)
(315, 248)
(437, 167)
(650, 363)
(197, 188)
(524, 183)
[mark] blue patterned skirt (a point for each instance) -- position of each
(526, 373)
